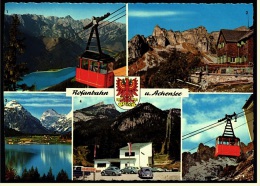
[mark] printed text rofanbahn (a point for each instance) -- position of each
(93, 92)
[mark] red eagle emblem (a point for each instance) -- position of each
(127, 89)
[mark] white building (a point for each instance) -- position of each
(141, 156)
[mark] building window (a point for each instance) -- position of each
(101, 165)
(127, 154)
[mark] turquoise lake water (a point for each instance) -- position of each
(45, 79)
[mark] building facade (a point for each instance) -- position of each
(249, 113)
(140, 155)
(234, 46)
(235, 52)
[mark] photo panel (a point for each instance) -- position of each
(205, 47)
(52, 46)
(218, 137)
(138, 144)
(37, 137)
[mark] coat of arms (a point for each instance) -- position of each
(127, 91)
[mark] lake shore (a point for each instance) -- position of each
(37, 139)
(44, 79)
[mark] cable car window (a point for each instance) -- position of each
(103, 68)
(110, 67)
(84, 64)
(94, 66)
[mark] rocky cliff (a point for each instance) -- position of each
(203, 166)
(56, 122)
(18, 118)
(199, 38)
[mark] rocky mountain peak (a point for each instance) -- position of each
(50, 112)
(13, 104)
(137, 46)
(96, 111)
(18, 118)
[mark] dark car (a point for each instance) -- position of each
(114, 171)
(129, 170)
(145, 172)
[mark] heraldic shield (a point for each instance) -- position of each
(127, 91)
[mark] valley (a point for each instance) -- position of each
(38, 139)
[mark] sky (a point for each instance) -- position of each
(201, 110)
(142, 18)
(77, 11)
(162, 103)
(37, 103)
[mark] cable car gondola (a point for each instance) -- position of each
(95, 68)
(228, 144)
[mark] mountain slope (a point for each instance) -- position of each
(18, 118)
(56, 122)
(56, 42)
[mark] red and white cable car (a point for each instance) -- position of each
(228, 144)
(95, 71)
(95, 68)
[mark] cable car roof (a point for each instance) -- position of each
(227, 137)
(97, 56)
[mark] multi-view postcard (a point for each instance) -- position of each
(128, 92)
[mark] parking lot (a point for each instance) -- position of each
(158, 176)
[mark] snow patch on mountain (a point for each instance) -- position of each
(56, 122)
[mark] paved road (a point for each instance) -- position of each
(158, 176)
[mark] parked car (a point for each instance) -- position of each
(114, 171)
(157, 169)
(129, 170)
(145, 172)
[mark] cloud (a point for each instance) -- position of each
(40, 99)
(136, 13)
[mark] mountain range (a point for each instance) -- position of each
(16, 117)
(56, 42)
(103, 125)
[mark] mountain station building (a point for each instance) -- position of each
(140, 156)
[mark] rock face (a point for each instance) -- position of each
(55, 122)
(137, 46)
(97, 111)
(198, 37)
(56, 42)
(18, 118)
(203, 166)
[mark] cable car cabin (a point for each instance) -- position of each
(227, 146)
(95, 70)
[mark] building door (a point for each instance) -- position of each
(115, 164)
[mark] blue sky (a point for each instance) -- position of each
(37, 103)
(77, 11)
(162, 103)
(201, 110)
(179, 17)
